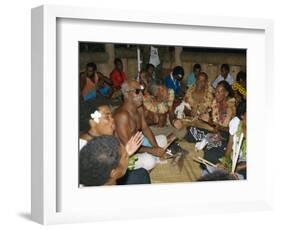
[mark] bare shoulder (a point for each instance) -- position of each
(121, 115)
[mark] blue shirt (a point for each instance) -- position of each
(93, 94)
(191, 79)
(172, 84)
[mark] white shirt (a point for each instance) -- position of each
(233, 125)
(220, 78)
(82, 143)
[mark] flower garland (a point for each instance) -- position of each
(159, 107)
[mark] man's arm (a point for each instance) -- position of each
(155, 149)
(146, 130)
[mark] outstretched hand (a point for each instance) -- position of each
(134, 143)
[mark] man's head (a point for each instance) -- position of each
(91, 68)
(178, 73)
(102, 161)
(150, 69)
(196, 69)
(133, 92)
(201, 81)
(118, 64)
(224, 70)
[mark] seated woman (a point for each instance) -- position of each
(94, 84)
(158, 105)
(96, 121)
(216, 136)
(200, 96)
(222, 110)
(239, 87)
(237, 126)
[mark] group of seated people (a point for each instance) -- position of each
(118, 147)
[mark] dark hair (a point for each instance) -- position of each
(225, 66)
(153, 85)
(86, 109)
(149, 65)
(241, 76)
(217, 176)
(203, 74)
(92, 64)
(197, 66)
(97, 159)
(116, 60)
(178, 70)
(241, 109)
(227, 87)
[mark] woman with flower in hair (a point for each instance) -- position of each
(96, 121)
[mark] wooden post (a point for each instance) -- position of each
(109, 49)
(178, 51)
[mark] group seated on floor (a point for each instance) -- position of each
(117, 145)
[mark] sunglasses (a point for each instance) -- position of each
(136, 91)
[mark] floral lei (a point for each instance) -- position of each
(159, 107)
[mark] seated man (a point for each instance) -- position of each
(117, 75)
(173, 81)
(103, 160)
(158, 104)
(94, 84)
(129, 119)
(224, 76)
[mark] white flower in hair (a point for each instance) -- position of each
(96, 116)
(142, 87)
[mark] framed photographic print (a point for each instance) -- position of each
(116, 94)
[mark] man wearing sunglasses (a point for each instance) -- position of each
(129, 119)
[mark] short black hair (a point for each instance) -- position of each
(217, 175)
(149, 65)
(197, 66)
(116, 60)
(227, 87)
(92, 64)
(241, 109)
(241, 76)
(178, 70)
(97, 159)
(225, 66)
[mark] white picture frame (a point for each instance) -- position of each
(55, 199)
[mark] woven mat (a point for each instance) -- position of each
(167, 173)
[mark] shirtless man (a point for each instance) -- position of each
(129, 119)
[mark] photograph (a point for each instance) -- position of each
(154, 114)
